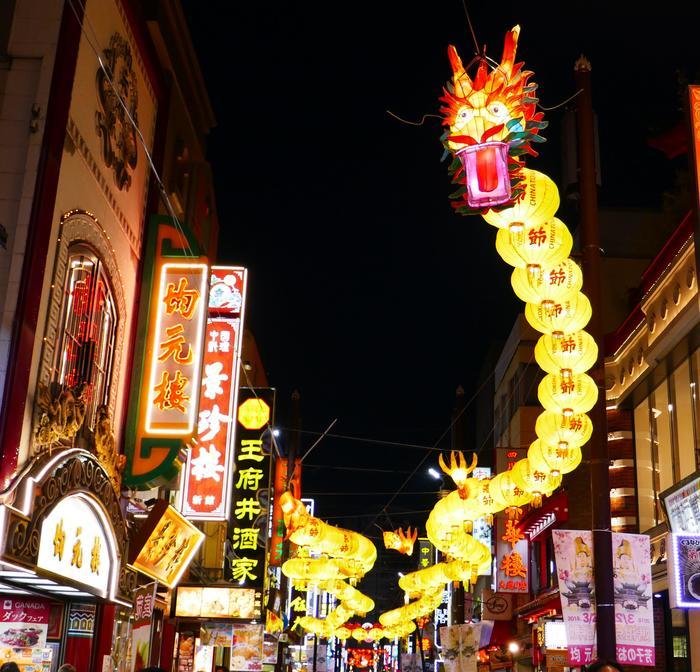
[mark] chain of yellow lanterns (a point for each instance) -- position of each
(491, 122)
(344, 557)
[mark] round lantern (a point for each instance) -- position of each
(538, 483)
(559, 317)
(554, 460)
(566, 354)
(343, 632)
(529, 246)
(564, 431)
(568, 395)
(508, 493)
(538, 204)
(549, 283)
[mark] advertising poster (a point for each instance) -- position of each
(269, 651)
(573, 550)
(410, 662)
(634, 612)
(684, 570)
(216, 634)
(460, 647)
(144, 598)
(185, 652)
(23, 623)
(247, 650)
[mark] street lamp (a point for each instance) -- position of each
(513, 648)
(435, 474)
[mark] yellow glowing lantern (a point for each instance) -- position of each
(534, 246)
(537, 483)
(554, 460)
(566, 354)
(538, 204)
(551, 284)
(564, 431)
(359, 634)
(343, 632)
(559, 317)
(375, 633)
(568, 395)
(253, 413)
(508, 493)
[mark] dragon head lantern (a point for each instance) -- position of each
(491, 121)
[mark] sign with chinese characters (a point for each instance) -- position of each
(170, 544)
(573, 551)
(218, 602)
(144, 600)
(24, 623)
(248, 522)
(684, 570)
(77, 544)
(280, 486)
(167, 363)
(426, 553)
(507, 457)
(460, 647)
(481, 529)
(247, 650)
(206, 484)
(682, 505)
(634, 608)
(511, 558)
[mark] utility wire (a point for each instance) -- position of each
(132, 121)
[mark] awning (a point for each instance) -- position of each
(546, 604)
(554, 509)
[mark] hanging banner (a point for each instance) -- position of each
(247, 650)
(168, 359)
(144, 599)
(426, 553)
(512, 558)
(278, 530)
(248, 523)
(410, 662)
(573, 550)
(205, 492)
(460, 647)
(634, 608)
(683, 574)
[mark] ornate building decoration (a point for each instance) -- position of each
(106, 450)
(61, 413)
(119, 139)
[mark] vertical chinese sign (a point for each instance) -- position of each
(165, 381)
(512, 558)
(634, 606)
(248, 521)
(573, 551)
(206, 483)
(144, 600)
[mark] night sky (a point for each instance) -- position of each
(366, 292)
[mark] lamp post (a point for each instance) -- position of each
(598, 446)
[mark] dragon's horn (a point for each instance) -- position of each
(443, 466)
(460, 78)
(509, 48)
(461, 462)
(475, 459)
(413, 536)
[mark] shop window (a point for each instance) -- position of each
(646, 492)
(683, 422)
(680, 646)
(85, 352)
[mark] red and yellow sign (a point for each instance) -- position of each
(280, 487)
(206, 484)
(167, 362)
(171, 543)
(512, 550)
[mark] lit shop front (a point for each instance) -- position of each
(63, 578)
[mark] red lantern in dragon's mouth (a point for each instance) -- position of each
(491, 121)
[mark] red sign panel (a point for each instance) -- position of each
(280, 485)
(206, 486)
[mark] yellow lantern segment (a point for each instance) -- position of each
(552, 284)
(564, 431)
(553, 460)
(559, 317)
(534, 246)
(566, 354)
(567, 395)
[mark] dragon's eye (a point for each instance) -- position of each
(464, 114)
(497, 109)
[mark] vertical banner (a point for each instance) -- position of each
(144, 599)
(206, 488)
(280, 485)
(167, 363)
(460, 647)
(573, 551)
(634, 607)
(248, 522)
(411, 662)
(512, 558)
(426, 553)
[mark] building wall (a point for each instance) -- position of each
(25, 81)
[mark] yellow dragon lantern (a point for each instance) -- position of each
(491, 121)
